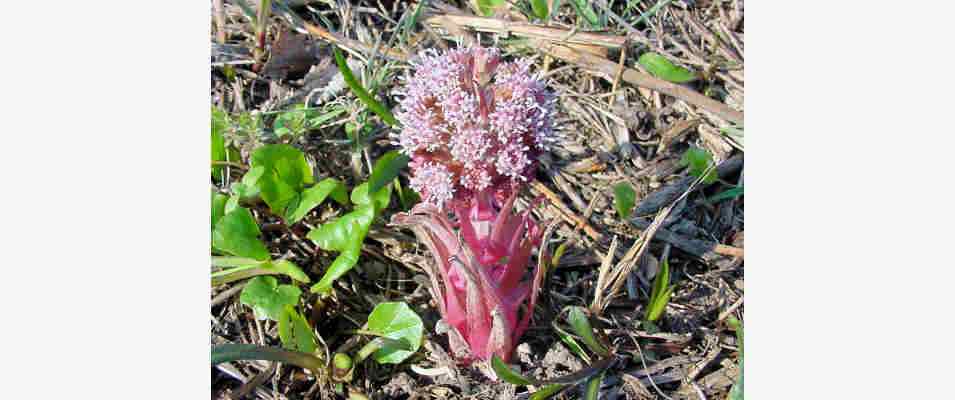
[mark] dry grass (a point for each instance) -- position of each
(616, 124)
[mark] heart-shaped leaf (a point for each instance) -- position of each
(662, 68)
(267, 298)
(237, 233)
(284, 176)
(397, 321)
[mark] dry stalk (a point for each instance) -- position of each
(502, 27)
(608, 69)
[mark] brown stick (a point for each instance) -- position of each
(498, 26)
(609, 69)
(565, 211)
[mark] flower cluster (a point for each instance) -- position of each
(474, 126)
(471, 122)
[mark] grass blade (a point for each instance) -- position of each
(360, 91)
(506, 373)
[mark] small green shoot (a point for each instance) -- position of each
(624, 198)
(294, 331)
(360, 91)
(267, 298)
(587, 12)
(730, 193)
(662, 68)
(577, 318)
(547, 391)
(396, 321)
(571, 343)
(660, 294)
(698, 161)
(539, 8)
(487, 8)
(505, 372)
(593, 386)
(736, 393)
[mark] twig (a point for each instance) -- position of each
(608, 69)
(502, 27)
(566, 212)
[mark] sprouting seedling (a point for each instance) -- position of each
(473, 127)
(660, 294)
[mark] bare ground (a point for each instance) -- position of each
(615, 126)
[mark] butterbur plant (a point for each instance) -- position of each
(473, 126)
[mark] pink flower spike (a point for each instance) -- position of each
(474, 125)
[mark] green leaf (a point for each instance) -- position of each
(731, 193)
(539, 7)
(623, 199)
(662, 68)
(218, 207)
(547, 391)
(219, 126)
(317, 121)
(506, 373)
(488, 7)
(289, 269)
(292, 122)
(236, 262)
(660, 294)
(249, 186)
(360, 91)
(736, 393)
(267, 298)
(345, 235)
(581, 325)
(285, 175)
(397, 321)
(386, 169)
(569, 340)
(584, 9)
(236, 233)
(380, 199)
(698, 160)
(315, 195)
(295, 332)
(239, 351)
(593, 387)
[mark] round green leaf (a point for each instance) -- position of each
(237, 233)
(267, 298)
(395, 320)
